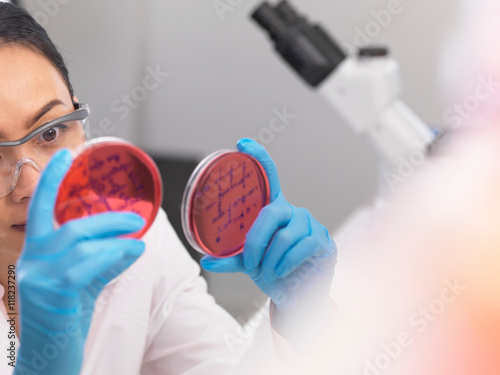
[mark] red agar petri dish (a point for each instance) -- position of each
(223, 197)
(110, 174)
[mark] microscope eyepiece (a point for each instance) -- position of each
(308, 49)
(270, 21)
(287, 12)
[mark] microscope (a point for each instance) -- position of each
(364, 89)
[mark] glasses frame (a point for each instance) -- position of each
(82, 111)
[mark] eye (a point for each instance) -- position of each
(51, 134)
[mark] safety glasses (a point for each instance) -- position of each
(39, 146)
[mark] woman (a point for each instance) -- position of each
(92, 302)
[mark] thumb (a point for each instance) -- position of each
(223, 265)
(41, 210)
(254, 149)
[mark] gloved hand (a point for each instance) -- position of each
(60, 274)
(288, 254)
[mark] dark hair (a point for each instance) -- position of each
(17, 26)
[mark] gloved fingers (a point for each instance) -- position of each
(224, 265)
(274, 216)
(318, 250)
(252, 148)
(104, 225)
(95, 288)
(296, 256)
(41, 210)
(134, 250)
(56, 264)
(325, 245)
(110, 257)
(284, 240)
(55, 300)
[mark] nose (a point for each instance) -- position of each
(25, 180)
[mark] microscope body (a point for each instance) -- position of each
(366, 91)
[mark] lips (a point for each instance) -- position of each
(21, 227)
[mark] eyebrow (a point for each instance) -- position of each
(42, 112)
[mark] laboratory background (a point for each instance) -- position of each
(184, 78)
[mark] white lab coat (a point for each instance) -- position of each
(157, 318)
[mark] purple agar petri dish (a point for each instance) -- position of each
(223, 197)
(110, 174)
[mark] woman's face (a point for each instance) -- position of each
(32, 93)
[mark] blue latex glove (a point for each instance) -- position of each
(60, 274)
(288, 254)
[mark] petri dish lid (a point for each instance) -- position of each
(110, 174)
(222, 199)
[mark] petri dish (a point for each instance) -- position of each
(110, 174)
(222, 199)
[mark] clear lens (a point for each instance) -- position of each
(39, 149)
